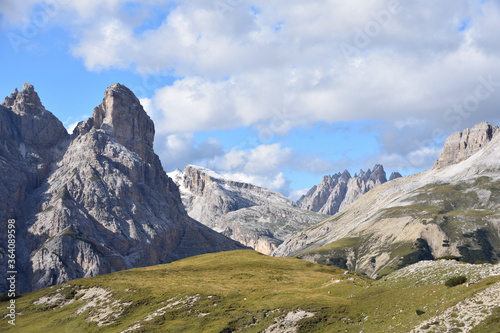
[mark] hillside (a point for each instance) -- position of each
(449, 210)
(246, 291)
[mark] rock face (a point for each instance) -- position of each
(252, 215)
(336, 192)
(448, 210)
(461, 145)
(94, 202)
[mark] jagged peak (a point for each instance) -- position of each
(210, 173)
(395, 175)
(459, 146)
(346, 175)
(26, 101)
(122, 116)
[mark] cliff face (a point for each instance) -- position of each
(94, 202)
(461, 145)
(337, 191)
(250, 214)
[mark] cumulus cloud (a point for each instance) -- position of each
(262, 160)
(261, 166)
(178, 150)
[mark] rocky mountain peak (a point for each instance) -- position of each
(121, 115)
(31, 123)
(26, 101)
(345, 175)
(395, 175)
(461, 145)
(336, 192)
(378, 174)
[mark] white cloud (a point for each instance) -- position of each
(262, 160)
(178, 150)
(276, 182)
(295, 195)
(261, 166)
(238, 70)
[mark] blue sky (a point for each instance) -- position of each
(273, 93)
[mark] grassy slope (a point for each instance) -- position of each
(250, 290)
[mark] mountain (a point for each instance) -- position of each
(449, 210)
(95, 202)
(338, 191)
(243, 291)
(252, 215)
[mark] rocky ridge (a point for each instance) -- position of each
(337, 191)
(449, 210)
(252, 215)
(461, 145)
(95, 202)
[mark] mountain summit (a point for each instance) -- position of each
(95, 202)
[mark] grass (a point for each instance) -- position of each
(240, 290)
(491, 322)
(352, 242)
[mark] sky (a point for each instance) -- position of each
(277, 93)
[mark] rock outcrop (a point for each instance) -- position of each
(461, 145)
(95, 202)
(250, 214)
(337, 191)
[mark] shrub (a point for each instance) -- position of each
(455, 281)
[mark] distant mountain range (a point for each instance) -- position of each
(338, 191)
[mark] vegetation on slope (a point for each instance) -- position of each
(233, 291)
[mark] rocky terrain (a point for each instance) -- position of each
(449, 210)
(338, 191)
(95, 202)
(252, 215)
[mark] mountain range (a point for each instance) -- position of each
(337, 191)
(96, 214)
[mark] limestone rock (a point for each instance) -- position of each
(395, 175)
(461, 145)
(250, 214)
(337, 191)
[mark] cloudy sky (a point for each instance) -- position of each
(278, 93)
